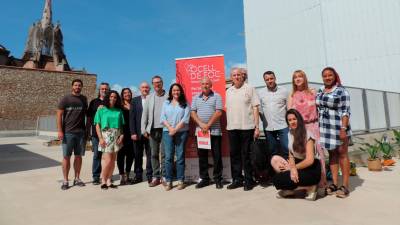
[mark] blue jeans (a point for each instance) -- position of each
(96, 166)
(278, 142)
(73, 142)
(175, 144)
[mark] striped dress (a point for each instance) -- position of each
(332, 106)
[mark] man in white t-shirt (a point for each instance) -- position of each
(242, 124)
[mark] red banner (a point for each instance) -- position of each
(189, 73)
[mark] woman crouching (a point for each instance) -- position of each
(303, 170)
(109, 121)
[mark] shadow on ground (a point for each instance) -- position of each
(355, 182)
(15, 159)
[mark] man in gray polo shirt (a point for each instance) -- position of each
(273, 108)
(206, 112)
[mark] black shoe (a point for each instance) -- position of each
(249, 185)
(202, 183)
(104, 186)
(123, 182)
(234, 185)
(112, 186)
(64, 186)
(96, 181)
(218, 185)
(137, 180)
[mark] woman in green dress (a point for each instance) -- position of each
(109, 121)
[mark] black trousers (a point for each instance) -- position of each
(239, 142)
(140, 146)
(125, 158)
(216, 154)
(307, 177)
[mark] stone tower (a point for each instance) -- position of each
(44, 48)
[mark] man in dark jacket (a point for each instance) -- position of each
(140, 142)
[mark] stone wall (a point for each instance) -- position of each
(26, 94)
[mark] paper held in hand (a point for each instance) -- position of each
(203, 139)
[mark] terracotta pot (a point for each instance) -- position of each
(374, 165)
(388, 162)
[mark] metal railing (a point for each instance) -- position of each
(46, 126)
(371, 110)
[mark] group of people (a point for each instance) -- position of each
(298, 125)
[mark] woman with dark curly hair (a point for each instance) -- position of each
(175, 116)
(303, 170)
(109, 122)
(333, 102)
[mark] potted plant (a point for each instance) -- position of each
(396, 134)
(374, 162)
(387, 150)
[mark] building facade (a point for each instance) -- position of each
(359, 38)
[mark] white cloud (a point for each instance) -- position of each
(240, 65)
(118, 88)
(135, 90)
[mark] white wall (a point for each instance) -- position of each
(360, 38)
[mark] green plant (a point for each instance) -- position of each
(396, 134)
(372, 150)
(386, 148)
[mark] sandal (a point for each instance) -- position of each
(331, 189)
(342, 192)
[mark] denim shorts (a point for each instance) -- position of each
(73, 142)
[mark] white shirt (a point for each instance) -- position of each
(273, 107)
(239, 107)
(143, 100)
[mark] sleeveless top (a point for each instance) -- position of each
(300, 155)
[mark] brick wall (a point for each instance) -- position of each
(26, 94)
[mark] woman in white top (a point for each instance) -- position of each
(303, 170)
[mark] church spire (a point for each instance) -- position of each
(46, 18)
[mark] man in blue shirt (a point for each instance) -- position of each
(206, 111)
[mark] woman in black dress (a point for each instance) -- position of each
(125, 154)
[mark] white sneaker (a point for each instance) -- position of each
(311, 194)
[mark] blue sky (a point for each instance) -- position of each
(127, 41)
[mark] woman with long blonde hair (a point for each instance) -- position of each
(302, 99)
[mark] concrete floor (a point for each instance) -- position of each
(30, 194)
